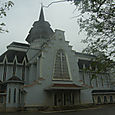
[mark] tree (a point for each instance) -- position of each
(4, 6)
(97, 19)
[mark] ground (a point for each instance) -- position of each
(100, 110)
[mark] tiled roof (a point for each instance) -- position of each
(11, 55)
(19, 44)
(65, 85)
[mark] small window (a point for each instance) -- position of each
(5, 70)
(23, 72)
(19, 96)
(9, 96)
(15, 95)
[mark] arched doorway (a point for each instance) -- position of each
(111, 99)
(105, 99)
(99, 100)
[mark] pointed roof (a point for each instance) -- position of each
(40, 30)
(11, 55)
(41, 17)
(15, 79)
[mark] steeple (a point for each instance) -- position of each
(41, 17)
(40, 30)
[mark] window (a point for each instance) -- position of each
(111, 99)
(23, 72)
(5, 70)
(105, 99)
(98, 100)
(61, 67)
(9, 96)
(102, 81)
(15, 95)
(19, 96)
(96, 83)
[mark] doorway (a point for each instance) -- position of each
(63, 98)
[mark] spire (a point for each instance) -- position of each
(40, 30)
(41, 18)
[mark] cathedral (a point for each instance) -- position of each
(47, 72)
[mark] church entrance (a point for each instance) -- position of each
(64, 94)
(63, 98)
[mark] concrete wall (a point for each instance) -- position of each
(86, 96)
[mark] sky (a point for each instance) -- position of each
(24, 13)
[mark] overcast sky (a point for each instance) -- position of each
(20, 18)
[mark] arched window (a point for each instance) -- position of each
(9, 96)
(105, 99)
(61, 67)
(15, 95)
(98, 100)
(23, 71)
(111, 99)
(5, 70)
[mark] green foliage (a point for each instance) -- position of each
(4, 7)
(97, 18)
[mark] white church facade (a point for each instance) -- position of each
(47, 72)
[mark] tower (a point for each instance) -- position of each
(40, 33)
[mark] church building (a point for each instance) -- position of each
(47, 72)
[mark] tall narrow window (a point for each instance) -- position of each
(23, 72)
(19, 96)
(111, 99)
(5, 70)
(61, 67)
(9, 96)
(83, 73)
(105, 99)
(90, 80)
(15, 95)
(14, 68)
(102, 81)
(96, 83)
(98, 100)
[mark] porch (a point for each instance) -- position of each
(64, 94)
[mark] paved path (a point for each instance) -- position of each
(102, 110)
